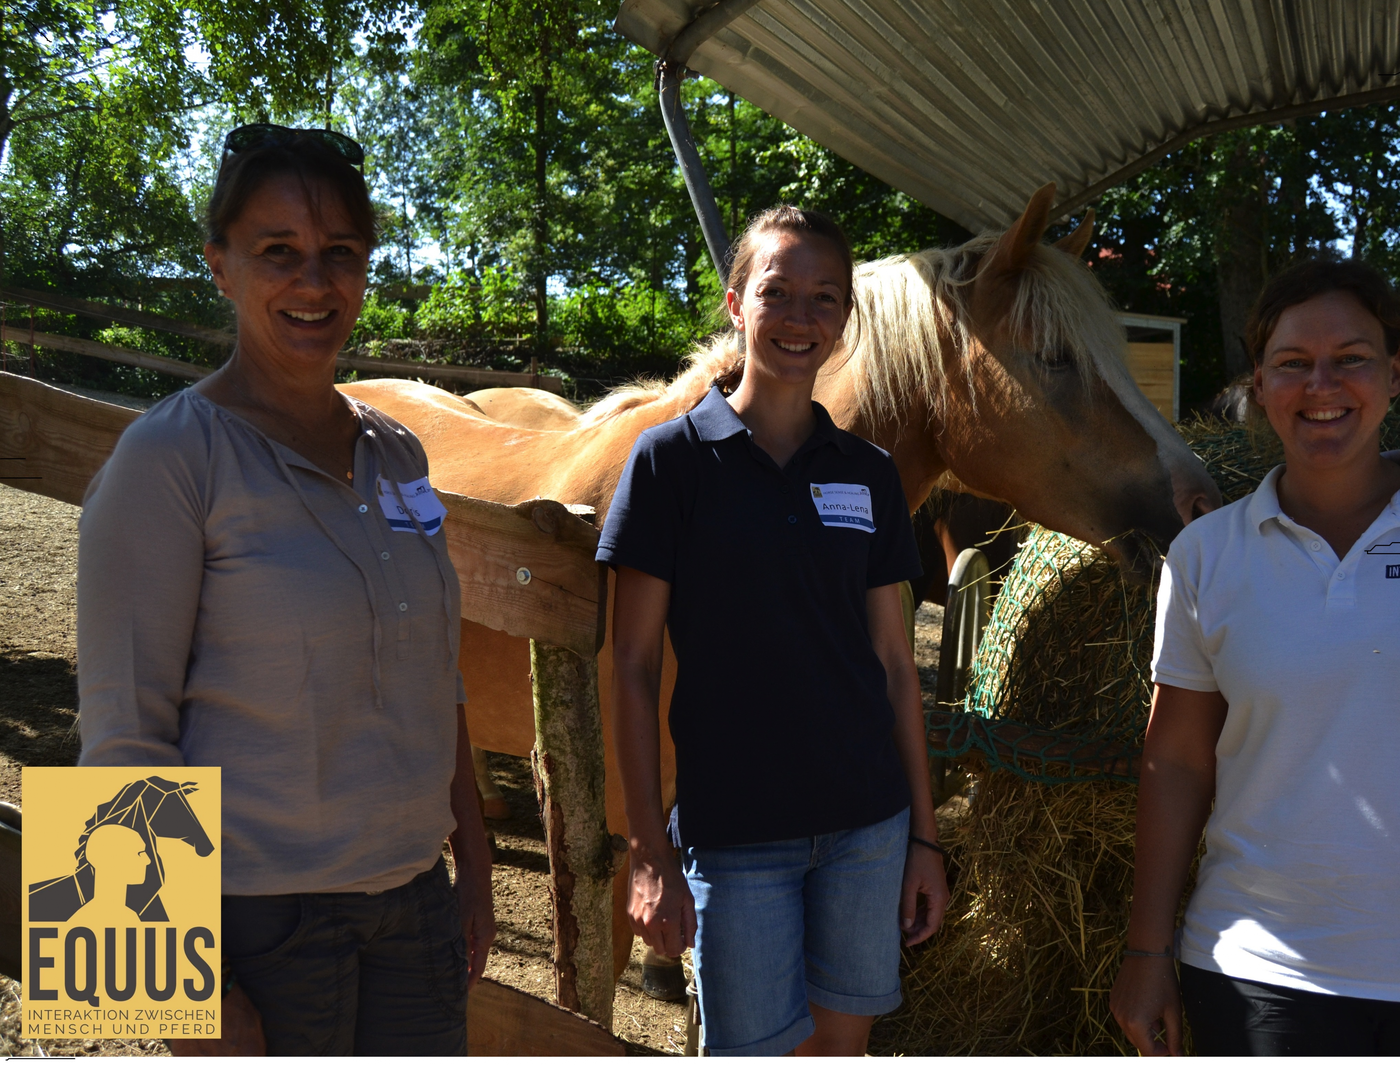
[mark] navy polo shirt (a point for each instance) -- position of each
(780, 716)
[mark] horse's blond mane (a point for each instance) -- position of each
(911, 315)
(717, 357)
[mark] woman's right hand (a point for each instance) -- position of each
(659, 903)
(1146, 1002)
(242, 1032)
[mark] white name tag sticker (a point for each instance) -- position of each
(419, 499)
(844, 506)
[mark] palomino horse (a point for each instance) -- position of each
(997, 364)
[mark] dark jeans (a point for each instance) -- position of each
(1239, 1017)
(351, 973)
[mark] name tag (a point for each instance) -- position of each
(844, 506)
(419, 499)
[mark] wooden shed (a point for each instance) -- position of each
(1154, 359)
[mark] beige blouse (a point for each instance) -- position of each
(239, 607)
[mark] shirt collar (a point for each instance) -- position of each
(714, 419)
(1264, 504)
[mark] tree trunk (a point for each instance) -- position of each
(539, 220)
(6, 125)
(1242, 258)
(568, 764)
(733, 181)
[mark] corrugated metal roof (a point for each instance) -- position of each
(970, 105)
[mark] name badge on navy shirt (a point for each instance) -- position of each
(419, 499)
(844, 506)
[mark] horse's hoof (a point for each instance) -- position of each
(665, 982)
(497, 809)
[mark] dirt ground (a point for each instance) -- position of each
(38, 700)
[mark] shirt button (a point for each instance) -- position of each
(384, 555)
(1315, 546)
(363, 508)
(792, 519)
(403, 607)
(1341, 575)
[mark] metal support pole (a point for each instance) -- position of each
(670, 73)
(669, 76)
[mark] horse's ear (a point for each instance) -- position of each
(1077, 241)
(1012, 252)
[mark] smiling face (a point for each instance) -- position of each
(1325, 380)
(793, 307)
(295, 268)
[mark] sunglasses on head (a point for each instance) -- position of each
(264, 134)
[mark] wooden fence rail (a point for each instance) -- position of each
(107, 312)
(467, 375)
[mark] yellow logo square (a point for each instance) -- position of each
(121, 933)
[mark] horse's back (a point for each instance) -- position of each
(468, 452)
(530, 408)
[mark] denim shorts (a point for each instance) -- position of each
(796, 921)
(345, 973)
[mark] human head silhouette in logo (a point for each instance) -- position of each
(119, 861)
(119, 872)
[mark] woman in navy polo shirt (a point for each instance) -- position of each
(772, 544)
(1277, 672)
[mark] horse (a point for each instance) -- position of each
(995, 367)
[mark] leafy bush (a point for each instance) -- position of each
(493, 304)
(382, 319)
(630, 325)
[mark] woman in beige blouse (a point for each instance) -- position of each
(262, 586)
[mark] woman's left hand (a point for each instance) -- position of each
(924, 896)
(478, 922)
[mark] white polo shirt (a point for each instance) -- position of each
(1300, 885)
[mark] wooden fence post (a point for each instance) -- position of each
(568, 764)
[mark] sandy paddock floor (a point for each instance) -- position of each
(38, 700)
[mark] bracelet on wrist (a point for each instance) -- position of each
(931, 846)
(1168, 953)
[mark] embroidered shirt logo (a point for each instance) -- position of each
(1393, 572)
(844, 506)
(1392, 548)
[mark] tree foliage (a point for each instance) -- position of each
(527, 188)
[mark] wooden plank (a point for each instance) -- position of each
(466, 374)
(121, 315)
(110, 352)
(502, 1021)
(1152, 365)
(561, 595)
(52, 441)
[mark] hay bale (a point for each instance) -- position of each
(1030, 944)
(1044, 853)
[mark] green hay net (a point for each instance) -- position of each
(1061, 686)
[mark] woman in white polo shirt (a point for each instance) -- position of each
(1277, 672)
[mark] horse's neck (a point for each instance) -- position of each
(911, 439)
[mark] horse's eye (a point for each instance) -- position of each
(1055, 358)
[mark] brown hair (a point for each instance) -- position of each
(785, 219)
(310, 161)
(1317, 277)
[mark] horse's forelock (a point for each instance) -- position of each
(912, 313)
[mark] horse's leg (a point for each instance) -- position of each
(493, 803)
